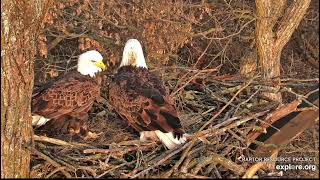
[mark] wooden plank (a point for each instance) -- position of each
(290, 127)
(272, 118)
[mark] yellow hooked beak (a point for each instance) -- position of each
(101, 65)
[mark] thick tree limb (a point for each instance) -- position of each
(290, 21)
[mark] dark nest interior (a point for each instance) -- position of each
(196, 48)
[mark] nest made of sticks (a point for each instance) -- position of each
(219, 111)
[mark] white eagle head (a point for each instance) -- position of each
(133, 54)
(90, 62)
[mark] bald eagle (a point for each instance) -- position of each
(62, 105)
(139, 97)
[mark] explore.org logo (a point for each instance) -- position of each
(285, 163)
(306, 167)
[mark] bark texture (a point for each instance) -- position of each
(20, 24)
(276, 22)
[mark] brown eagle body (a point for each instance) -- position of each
(138, 96)
(66, 102)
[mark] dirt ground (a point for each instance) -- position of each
(210, 60)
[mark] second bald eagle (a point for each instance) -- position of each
(139, 97)
(62, 105)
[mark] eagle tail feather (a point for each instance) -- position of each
(168, 139)
(39, 120)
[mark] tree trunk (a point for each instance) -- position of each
(273, 33)
(20, 24)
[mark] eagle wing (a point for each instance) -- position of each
(140, 97)
(71, 95)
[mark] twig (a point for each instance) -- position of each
(236, 136)
(158, 161)
(55, 171)
(51, 161)
(191, 158)
(217, 159)
(253, 169)
(304, 98)
(231, 35)
(172, 94)
(87, 168)
(193, 77)
(196, 176)
(217, 126)
(299, 80)
(114, 168)
(122, 150)
(225, 106)
(207, 32)
(213, 132)
(216, 171)
(247, 100)
(202, 54)
(57, 141)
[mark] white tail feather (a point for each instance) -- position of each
(168, 140)
(39, 120)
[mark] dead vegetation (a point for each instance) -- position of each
(197, 48)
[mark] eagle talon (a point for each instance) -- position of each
(177, 135)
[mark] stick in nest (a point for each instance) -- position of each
(58, 141)
(120, 150)
(217, 159)
(254, 168)
(208, 122)
(51, 161)
(159, 160)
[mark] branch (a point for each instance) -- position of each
(51, 161)
(123, 150)
(160, 160)
(273, 117)
(254, 168)
(269, 11)
(58, 141)
(290, 21)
